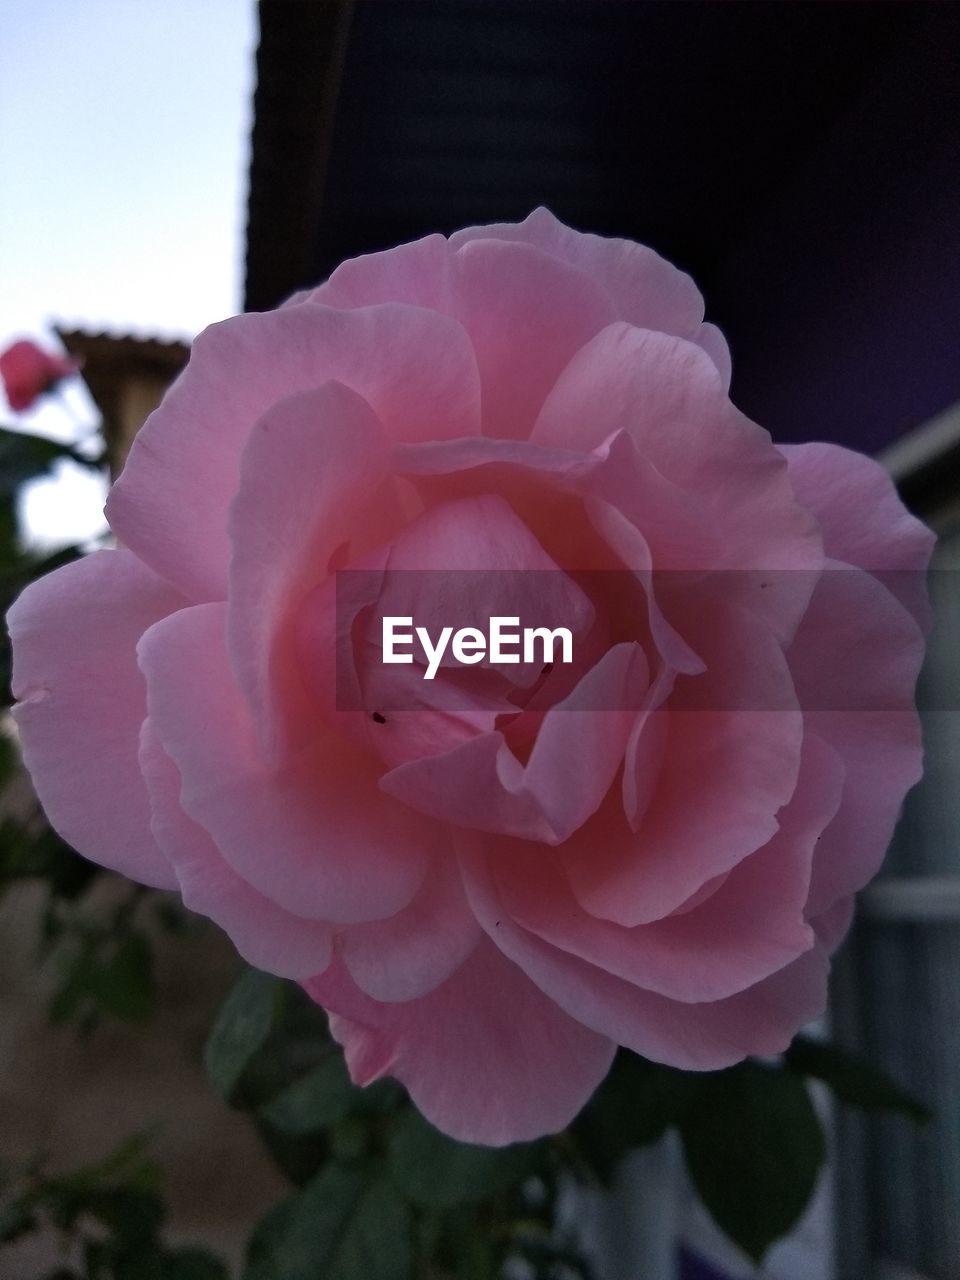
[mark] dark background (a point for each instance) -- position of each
(799, 159)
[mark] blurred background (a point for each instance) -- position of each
(167, 164)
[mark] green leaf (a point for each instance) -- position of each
(242, 1026)
(298, 1156)
(298, 1039)
(432, 1169)
(344, 1225)
(635, 1105)
(134, 1216)
(79, 976)
(350, 1140)
(192, 1264)
(851, 1079)
(24, 456)
(123, 983)
(477, 1258)
(754, 1147)
(102, 972)
(378, 1098)
(318, 1099)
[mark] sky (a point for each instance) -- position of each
(124, 146)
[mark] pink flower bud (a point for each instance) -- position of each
(29, 372)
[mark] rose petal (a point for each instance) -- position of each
(709, 337)
(408, 955)
(526, 314)
(666, 394)
(630, 545)
(313, 477)
(625, 496)
(642, 287)
(855, 661)
(768, 562)
(864, 522)
(697, 1037)
(465, 562)
(82, 701)
(729, 763)
(416, 369)
(751, 924)
(417, 273)
(265, 935)
(575, 758)
(451, 457)
(314, 835)
(391, 710)
(486, 1057)
(831, 926)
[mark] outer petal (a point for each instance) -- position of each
(864, 522)
(486, 1057)
(414, 367)
(263, 933)
(313, 477)
(710, 338)
(527, 311)
(417, 273)
(527, 314)
(667, 395)
(643, 288)
(83, 700)
(747, 928)
(411, 953)
(831, 926)
(855, 661)
(314, 836)
(698, 1037)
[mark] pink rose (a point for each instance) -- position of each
(28, 371)
(491, 879)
